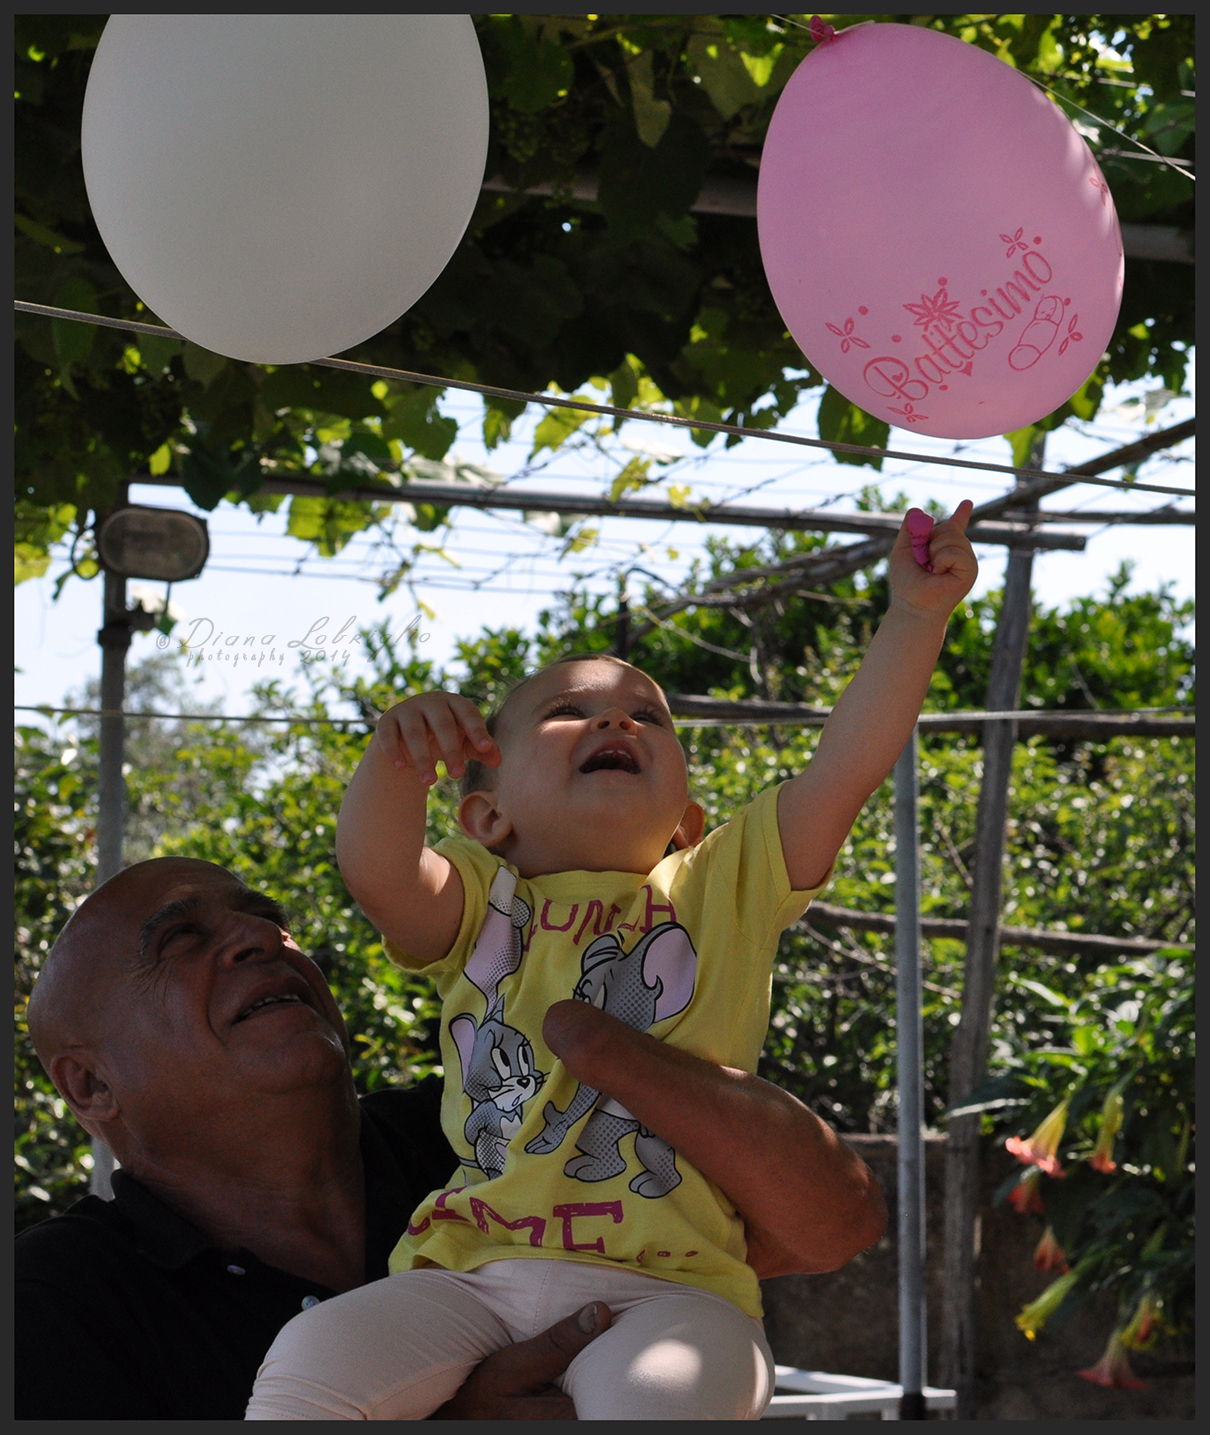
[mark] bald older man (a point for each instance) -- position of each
(185, 1028)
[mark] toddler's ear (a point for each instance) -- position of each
(692, 827)
(482, 821)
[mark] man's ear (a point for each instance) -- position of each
(692, 827)
(482, 820)
(84, 1088)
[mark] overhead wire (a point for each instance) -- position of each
(383, 371)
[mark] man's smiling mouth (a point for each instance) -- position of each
(612, 759)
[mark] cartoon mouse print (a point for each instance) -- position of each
(640, 987)
(499, 1072)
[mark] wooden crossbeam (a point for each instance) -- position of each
(823, 914)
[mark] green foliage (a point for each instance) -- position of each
(54, 871)
(1116, 1051)
(261, 803)
(1123, 651)
(1100, 840)
(844, 422)
(542, 290)
(36, 530)
(328, 522)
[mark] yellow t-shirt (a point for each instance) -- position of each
(551, 1169)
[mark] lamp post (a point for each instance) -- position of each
(133, 542)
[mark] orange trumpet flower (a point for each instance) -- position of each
(1113, 1369)
(1025, 1197)
(1050, 1255)
(1041, 1149)
(1111, 1123)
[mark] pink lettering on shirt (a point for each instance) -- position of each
(594, 913)
(548, 926)
(568, 1213)
(536, 1225)
(648, 919)
(439, 1209)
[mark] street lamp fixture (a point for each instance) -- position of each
(161, 543)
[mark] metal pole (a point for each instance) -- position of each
(114, 640)
(913, 1328)
(969, 1050)
(621, 642)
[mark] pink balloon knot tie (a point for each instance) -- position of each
(819, 31)
(920, 528)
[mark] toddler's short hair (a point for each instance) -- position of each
(480, 778)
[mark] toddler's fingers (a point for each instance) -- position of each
(418, 742)
(470, 719)
(957, 520)
(388, 736)
(448, 737)
(955, 556)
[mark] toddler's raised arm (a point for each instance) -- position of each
(869, 726)
(411, 893)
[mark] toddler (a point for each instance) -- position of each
(583, 872)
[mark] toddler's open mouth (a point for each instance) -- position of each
(612, 759)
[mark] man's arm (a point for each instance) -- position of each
(808, 1202)
(871, 723)
(411, 893)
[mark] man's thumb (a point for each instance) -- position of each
(549, 1354)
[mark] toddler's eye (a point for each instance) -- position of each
(649, 715)
(565, 709)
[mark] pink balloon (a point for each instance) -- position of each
(920, 530)
(937, 236)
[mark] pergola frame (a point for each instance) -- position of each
(1001, 724)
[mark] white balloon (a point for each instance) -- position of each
(281, 187)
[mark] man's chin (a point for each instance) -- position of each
(293, 1063)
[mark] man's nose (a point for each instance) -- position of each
(252, 938)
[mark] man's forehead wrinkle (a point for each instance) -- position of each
(239, 898)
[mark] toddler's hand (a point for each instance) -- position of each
(951, 568)
(421, 730)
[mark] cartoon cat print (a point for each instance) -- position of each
(640, 987)
(499, 1072)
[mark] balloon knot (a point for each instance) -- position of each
(819, 31)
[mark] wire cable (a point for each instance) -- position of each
(381, 371)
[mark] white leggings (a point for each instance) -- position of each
(396, 1349)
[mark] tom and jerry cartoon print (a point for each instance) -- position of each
(549, 1166)
(652, 981)
(499, 1073)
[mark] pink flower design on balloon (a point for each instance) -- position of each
(1073, 335)
(909, 415)
(1098, 183)
(940, 309)
(847, 337)
(1015, 241)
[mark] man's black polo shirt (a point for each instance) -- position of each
(124, 1311)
